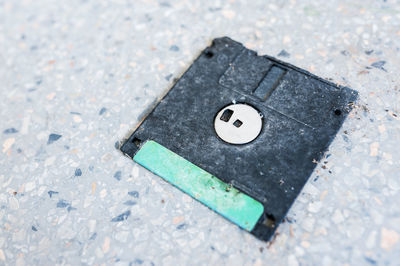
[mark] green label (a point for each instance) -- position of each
(204, 187)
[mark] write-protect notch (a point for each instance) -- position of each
(270, 81)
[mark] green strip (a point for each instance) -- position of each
(214, 193)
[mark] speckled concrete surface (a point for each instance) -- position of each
(77, 76)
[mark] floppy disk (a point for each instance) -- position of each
(241, 133)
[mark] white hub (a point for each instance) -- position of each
(238, 123)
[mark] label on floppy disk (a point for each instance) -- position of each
(201, 185)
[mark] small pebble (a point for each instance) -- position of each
(62, 204)
(10, 131)
(121, 217)
(134, 194)
(174, 48)
(102, 111)
(117, 175)
(52, 138)
(78, 172)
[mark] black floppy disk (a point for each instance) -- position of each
(241, 133)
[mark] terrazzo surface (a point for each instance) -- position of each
(77, 76)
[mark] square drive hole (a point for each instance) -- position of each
(237, 123)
